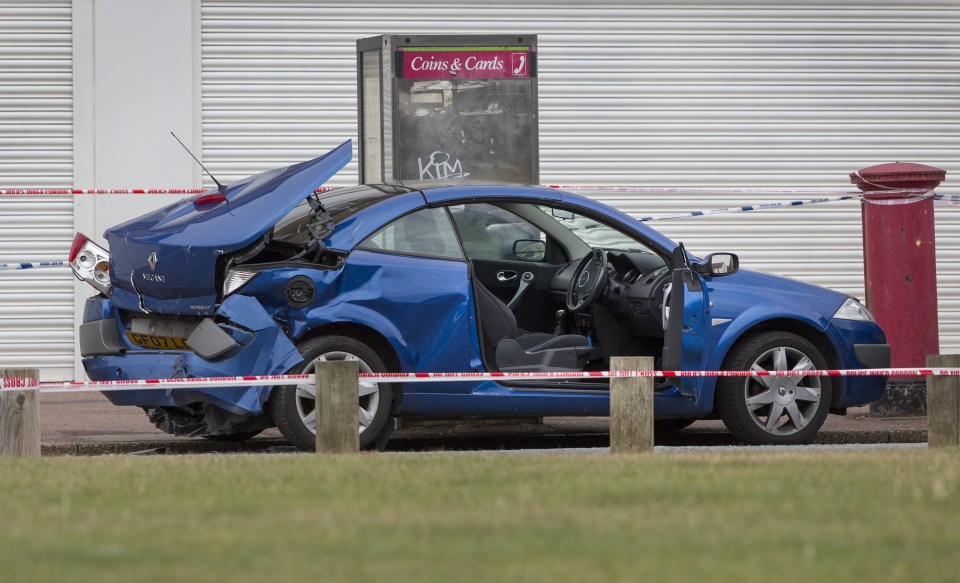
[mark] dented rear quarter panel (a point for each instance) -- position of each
(420, 305)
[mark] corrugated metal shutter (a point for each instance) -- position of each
(36, 149)
(735, 94)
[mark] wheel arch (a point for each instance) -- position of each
(371, 338)
(806, 331)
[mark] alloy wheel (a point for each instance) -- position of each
(782, 405)
(306, 401)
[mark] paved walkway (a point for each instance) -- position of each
(86, 423)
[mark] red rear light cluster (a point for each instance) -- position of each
(210, 199)
(79, 240)
(90, 263)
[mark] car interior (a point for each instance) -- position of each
(555, 290)
(560, 291)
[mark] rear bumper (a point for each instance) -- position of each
(261, 348)
(100, 338)
(153, 365)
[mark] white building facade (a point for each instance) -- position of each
(734, 94)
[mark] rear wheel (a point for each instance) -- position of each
(782, 410)
(294, 407)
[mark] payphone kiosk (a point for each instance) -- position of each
(437, 107)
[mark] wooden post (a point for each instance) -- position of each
(631, 406)
(337, 394)
(943, 403)
(19, 416)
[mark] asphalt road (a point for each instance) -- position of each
(88, 424)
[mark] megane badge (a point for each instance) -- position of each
(152, 261)
(584, 278)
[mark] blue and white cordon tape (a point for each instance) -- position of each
(32, 265)
(947, 198)
(746, 208)
(844, 195)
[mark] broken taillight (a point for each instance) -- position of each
(90, 263)
(236, 278)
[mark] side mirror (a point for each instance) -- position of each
(530, 250)
(718, 264)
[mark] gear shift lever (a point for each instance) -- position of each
(561, 318)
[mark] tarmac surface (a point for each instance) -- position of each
(88, 424)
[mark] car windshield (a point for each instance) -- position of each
(594, 233)
(339, 204)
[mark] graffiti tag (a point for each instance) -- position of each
(440, 167)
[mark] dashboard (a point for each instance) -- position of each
(635, 287)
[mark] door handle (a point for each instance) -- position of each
(505, 276)
(525, 282)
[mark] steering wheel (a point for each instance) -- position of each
(588, 281)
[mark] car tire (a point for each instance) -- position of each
(800, 404)
(293, 406)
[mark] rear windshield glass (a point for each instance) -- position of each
(340, 203)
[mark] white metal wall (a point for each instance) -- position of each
(36, 149)
(743, 93)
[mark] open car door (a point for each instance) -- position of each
(684, 321)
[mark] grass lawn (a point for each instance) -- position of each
(891, 515)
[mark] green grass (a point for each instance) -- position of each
(755, 516)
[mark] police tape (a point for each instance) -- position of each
(721, 190)
(746, 208)
(9, 384)
(632, 189)
(65, 191)
(845, 195)
(842, 195)
(32, 265)
(943, 198)
(821, 196)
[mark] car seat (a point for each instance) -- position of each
(512, 351)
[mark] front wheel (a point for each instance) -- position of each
(774, 410)
(294, 407)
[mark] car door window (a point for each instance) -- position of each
(596, 234)
(425, 232)
(489, 232)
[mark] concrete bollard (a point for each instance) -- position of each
(631, 406)
(943, 403)
(19, 416)
(337, 390)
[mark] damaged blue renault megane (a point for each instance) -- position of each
(266, 276)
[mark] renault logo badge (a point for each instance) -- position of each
(584, 278)
(152, 261)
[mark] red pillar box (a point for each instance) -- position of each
(900, 271)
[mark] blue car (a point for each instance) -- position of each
(266, 276)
